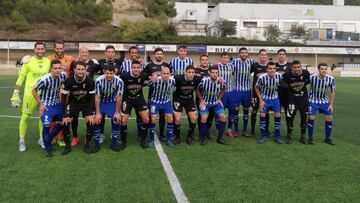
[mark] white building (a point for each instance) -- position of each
(252, 19)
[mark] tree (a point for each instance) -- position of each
(272, 33)
(17, 22)
(225, 27)
(6, 7)
(156, 8)
(298, 30)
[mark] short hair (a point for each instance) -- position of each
(55, 61)
(296, 62)
(261, 50)
(59, 42)
(132, 47)
(81, 63)
(165, 66)
(39, 43)
(270, 64)
(182, 47)
(135, 62)
(109, 68)
(213, 67)
(242, 48)
(109, 47)
(224, 54)
(281, 50)
(158, 49)
(203, 55)
(190, 67)
(321, 64)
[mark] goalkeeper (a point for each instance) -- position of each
(32, 69)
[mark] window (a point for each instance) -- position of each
(249, 24)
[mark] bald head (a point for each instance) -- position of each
(83, 53)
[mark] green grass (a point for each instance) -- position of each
(242, 171)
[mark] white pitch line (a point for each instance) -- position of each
(7, 87)
(173, 180)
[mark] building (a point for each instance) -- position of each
(253, 19)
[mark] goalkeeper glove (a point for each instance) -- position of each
(15, 99)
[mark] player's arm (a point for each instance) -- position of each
(36, 96)
(257, 91)
(15, 99)
(222, 93)
(332, 97)
(65, 92)
(117, 116)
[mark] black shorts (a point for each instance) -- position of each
(254, 101)
(283, 97)
(179, 104)
(73, 110)
(301, 105)
(138, 104)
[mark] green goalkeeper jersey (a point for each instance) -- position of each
(32, 71)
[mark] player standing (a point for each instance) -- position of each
(31, 71)
(296, 80)
(266, 90)
(320, 85)
(49, 105)
(282, 65)
(179, 63)
(242, 89)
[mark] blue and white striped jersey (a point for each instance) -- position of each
(319, 88)
(126, 66)
(227, 72)
(109, 90)
(162, 90)
(50, 88)
(210, 90)
(242, 74)
(268, 86)
(178, 66)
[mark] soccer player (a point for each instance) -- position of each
(134, 98)
(133, 56)
(49, 105)
(156, 67)
(296, 80)
(31, 71)
(109, 89)
(282, 65)
(266, 90)
(320, 85)
(210, 92)
(78, 94)
(111, 61)
(92, 67)
(160, 100)
(259, 68)
(226, 71)
(242, 90)
(179, 63)
(183, 98)
(66, 60)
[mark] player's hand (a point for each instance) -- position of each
(331, 108)
(98, 118)
(220, 102)
(221, 80)
(202, 104)
(153, 77)
(66, 120)
(90, 120)
(42, 109)
(117, 118)
(15, 99)
(95, 61)
(25, 59)
(262, 104)
(142, 61)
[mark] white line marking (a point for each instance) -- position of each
(7, 87)
(173, 180)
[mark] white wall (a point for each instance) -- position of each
(200, 8)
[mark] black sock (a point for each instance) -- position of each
(177, 130)
(74, 126)
(253, 122)
(89, 132)
(162, 121)
(123, 133)
(191, 129)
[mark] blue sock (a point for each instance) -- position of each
(97, 132)
(277, 127)
(152, 131)
(46, 138)
(169, 131)
(262, 126)
(245, 119)
(328, 128)
(203, 130)
(55, 131)
(115, 133)
(231, 119)
(236, 122)
(221, 129)
(311, 129)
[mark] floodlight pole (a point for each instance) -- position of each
(8, 54)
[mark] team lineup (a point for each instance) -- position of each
(60, 86)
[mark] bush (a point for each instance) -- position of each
(97, 13)
(17, 22)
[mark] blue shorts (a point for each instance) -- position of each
(323, 108)
(53, 113)
(241, 98)
(273, 104)
(108, 108)
(217, 108)
(165, 107)
(226, 99)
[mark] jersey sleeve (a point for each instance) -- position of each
(332, 85)
(65, 89)
(121, 88)
(91, 87)
(259, 83)
(39, 85)
(22, 74)
(97, 87)
(252, 68)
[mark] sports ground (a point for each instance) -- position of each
(242, 171)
